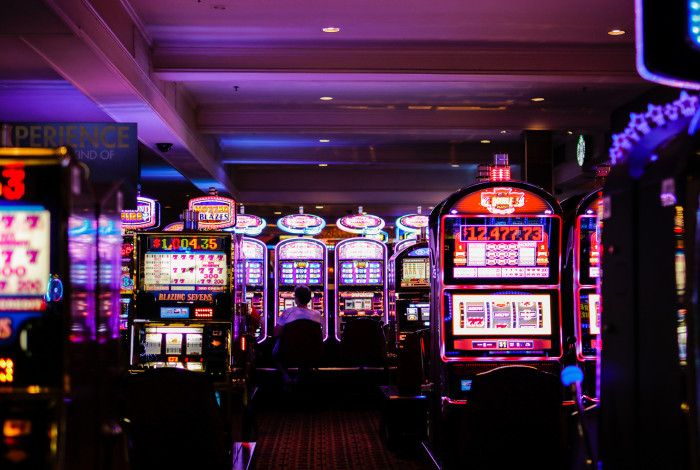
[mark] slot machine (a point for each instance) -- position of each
(302, 261)
(649, 362)
(145, 216)
(183, 305)
(409, 288)
(495, 291)
(360, 281)
(58, 294)
(586, 296)
(254, 253)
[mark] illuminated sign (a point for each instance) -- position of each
(215, 212)
(174, 227)
(24, 251)
(301, 249)
(252, 250)
(380, 237)
(412, 222)
(250, 225)
(360, 223)
(301, 224)
(5, 327)
(189, 271)
(185, 243)
(403, 244)
(501, 314)
(12, 185)
(502, 201)
(146, 215)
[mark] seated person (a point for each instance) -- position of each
(302, 297)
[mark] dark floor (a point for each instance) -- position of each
(331, 422)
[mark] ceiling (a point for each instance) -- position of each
(417, 85)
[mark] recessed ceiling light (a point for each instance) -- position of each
(569, 132)
(324, 141)
(616, 32)
(277, 213)
(319, 207)
(504, 132)
(323, 164)
(326, 98)
(455, 165)
(486, 141)
(331, 29)
(537, 99)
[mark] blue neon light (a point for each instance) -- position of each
(694, 21)
(571, 375)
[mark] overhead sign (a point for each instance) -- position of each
(301, 224)
(215, 212)
(146, 215)
(250, 225)
(109, 149)
(412, 222)
(361, 223)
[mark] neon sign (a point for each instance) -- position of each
(7, 372)
(412, 222)
(250, 225)
(146, 215)
(12, 185)
(502, 201)
(301, 224)
(215, 212)
(361, 223)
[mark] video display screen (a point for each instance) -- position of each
(497, 249)
(501, 314)
(418, 311)
(415, 272)
(174, 312)
(360, 272)
(294, 272)
(193, 271)
(358, 304)
(24, 251)
(254, 272)
(589, 250)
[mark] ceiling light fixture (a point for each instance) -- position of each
(277, 213)
(616, 32)
(455, 165)
(330, 29)
(504, 132)
(326, 98)
(570, 132)
(486, 141)
(319, 207)
(537, 99)
(323, 164)
(324, 141)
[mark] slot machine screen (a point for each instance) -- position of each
(501, 315)
(185, 264)
(589, 256)
(294, 272)
(253, 272)
(491, 250)
(358, 304)
(360, 272)
(415, 272)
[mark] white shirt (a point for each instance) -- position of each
(298, 313)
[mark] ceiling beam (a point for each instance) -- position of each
(222, 120)
(107, 59)
(461, 62)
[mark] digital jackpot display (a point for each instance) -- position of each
(479, 249)
(185, 263)
(501, 314)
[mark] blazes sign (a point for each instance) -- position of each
(502, 201)
(215, 212)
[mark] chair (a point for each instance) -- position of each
(172, 421)
(513, 417)
(363, 343)
(300, 345)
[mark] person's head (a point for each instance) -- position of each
(302, 295)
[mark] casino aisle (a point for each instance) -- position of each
(331, 423)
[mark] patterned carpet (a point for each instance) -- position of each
(342, 434)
